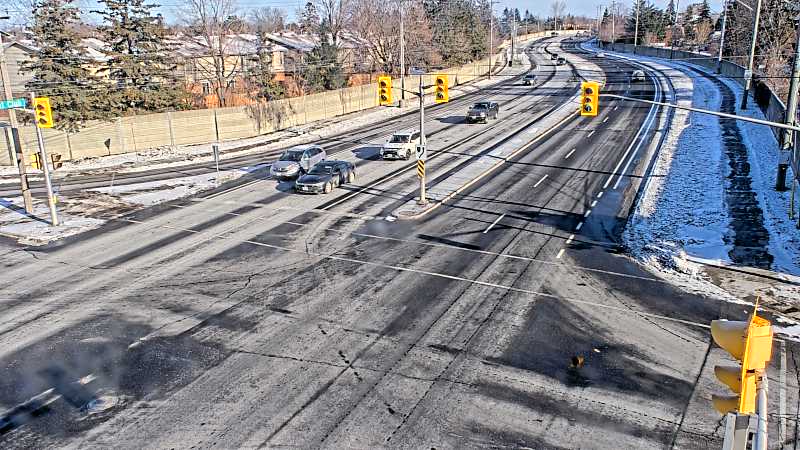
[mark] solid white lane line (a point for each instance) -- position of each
(571, 237)
(646, 124)
(594, 203)
(540, 181)
(590, 134)
(493, 224)
(560, 252)
(578, 228)
(569, 154)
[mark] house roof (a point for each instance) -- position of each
(235, 44)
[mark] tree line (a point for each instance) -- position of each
(135, 71)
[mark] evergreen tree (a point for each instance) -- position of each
(264, 81)
(670, 14)
(142, 73)
(704, 12)
(322, 70)
(58, 67)
(309, 19)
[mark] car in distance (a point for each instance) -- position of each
(554, 33)
(325, 176)
(529, 79)
(637, 76)
(400, 145)
(483, 111)
(561, 61)
(296, 161)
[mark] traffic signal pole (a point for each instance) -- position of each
(27, 199)
(51, 199)
(422, 199)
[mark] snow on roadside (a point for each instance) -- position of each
(76, 212)
(763, 151)
(681, 215)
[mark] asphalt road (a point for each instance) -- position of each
(252, 317)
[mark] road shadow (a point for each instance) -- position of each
(285, 186)
(19, 209)
(368, 152)
(452, 119)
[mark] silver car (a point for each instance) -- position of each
(296, 161)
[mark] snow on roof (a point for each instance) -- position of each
(234, 44)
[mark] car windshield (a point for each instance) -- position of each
(480, 106)
(292, 155)
(321, 169)
(400, 138)
(530, 76)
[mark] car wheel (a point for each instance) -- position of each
(351, 177)
(408, 154)
(328, 188)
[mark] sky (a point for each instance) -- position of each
(536, 7)
(586, 7)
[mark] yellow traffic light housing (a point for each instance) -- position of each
(42, 112)
(384, 90)
(590, 96)
(36, 161)
(440, 89)
(751, 343)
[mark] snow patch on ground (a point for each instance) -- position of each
(681, 218)
(764, 155)
(86, 211)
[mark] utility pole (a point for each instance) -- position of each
(491, 38)
(513, 35)
(51, 199)
(674, 25)
(402, 59)
(636, 31)
(722, 38)
(599, 8)
(12, 118)
(613, 24)
(748, 74)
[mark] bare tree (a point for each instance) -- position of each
(557, 7)
(382, 36)
(214, 22)
(268, 20)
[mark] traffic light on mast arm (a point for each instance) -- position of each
(440, 85)
(42, 112)
(384, 90)
(590, 95)
(751, 343)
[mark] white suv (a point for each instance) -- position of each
(400, 145)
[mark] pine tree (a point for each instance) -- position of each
(670, 13)
(58, 67)
(267, 88)
(322, 70)
(309, 19)
(704, 12)
(138, 65)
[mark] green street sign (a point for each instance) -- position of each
(14, 103)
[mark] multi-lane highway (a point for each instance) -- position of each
(251, 317)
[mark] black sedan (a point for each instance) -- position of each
(325, 176)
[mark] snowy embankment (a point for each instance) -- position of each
(681, 226)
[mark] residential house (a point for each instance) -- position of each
(203, 71)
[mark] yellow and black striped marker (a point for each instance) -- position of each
(421, 168)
